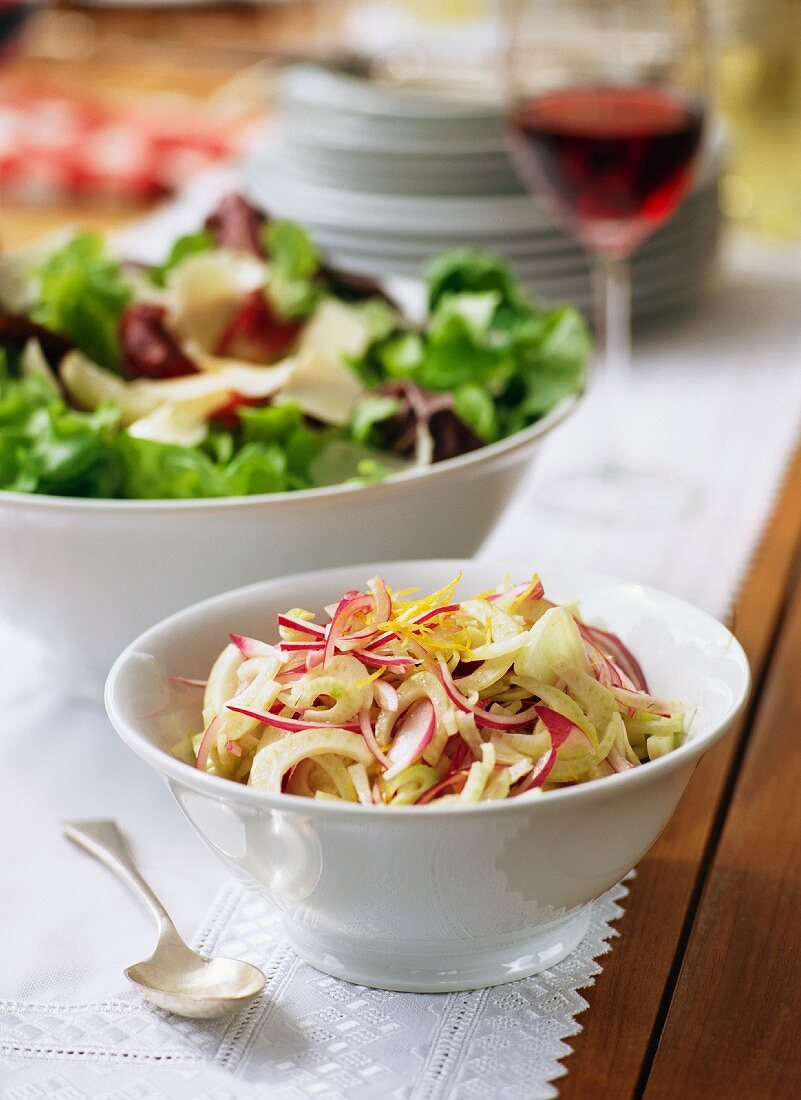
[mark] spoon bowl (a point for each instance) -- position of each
(175, 977)
(196, 986)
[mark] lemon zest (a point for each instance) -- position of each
(373, 676)
(415, 608)
(516, 602)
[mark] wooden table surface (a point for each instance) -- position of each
(700, 996)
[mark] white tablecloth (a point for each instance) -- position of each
(719, 394)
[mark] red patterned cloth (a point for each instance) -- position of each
(54, 145)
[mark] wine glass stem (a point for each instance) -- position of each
(612, 278)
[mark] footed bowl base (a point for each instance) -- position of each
(405, 971)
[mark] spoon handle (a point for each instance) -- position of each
(104, 841)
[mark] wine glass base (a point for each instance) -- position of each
(625, 496)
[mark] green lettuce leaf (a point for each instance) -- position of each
(342, 460)
(371, 411)
(294, 263)
(285, 426)
(156, 471)
(401, 355)
(82, 295)
(506, 360)
(47, 447)
(257, 468)
(269, 423)
(189, 245)
(219, 445)
(464, 270)
(475, 407)
(303, 445)
(552, 359)
(20, 398)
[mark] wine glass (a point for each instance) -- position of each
(605, 112)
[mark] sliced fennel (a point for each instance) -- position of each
(401, 699)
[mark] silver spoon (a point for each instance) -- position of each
(175, 977)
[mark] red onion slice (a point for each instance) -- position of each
(483, 716)
(301, 626)
(531, 591)
(449, 781)
(188, 681)
(204, 748)
(412, 736)
(382, 600)
(382, 612)
(380, 660)
(613, 649)
(385, 695)
(436, 611)
(461, 755)
(290, 725)
(618, 762)
(251, 647)
(557, 725)
(389, 635)
(346, 609)
(302, 647)
(559, 728)
(289, 675)
(605, 672)
(536, 778)
(367, 733)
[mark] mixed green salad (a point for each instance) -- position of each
(244, 363)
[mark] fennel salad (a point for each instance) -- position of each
(400, 699)
(244, 364)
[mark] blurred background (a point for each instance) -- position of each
(323, 108)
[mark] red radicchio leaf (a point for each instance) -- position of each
(255, 332)
(237, 224)
(15, 329)
(227, 415)
(450, 435)
(354, 287)
(149, 350)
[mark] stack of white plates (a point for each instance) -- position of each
(386, 178)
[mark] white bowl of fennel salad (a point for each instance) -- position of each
(242, 410)
(429, 773)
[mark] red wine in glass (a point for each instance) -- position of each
(614, 162)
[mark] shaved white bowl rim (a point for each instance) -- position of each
(299, 496)
(227, 789)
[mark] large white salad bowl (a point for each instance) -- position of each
(83, 577)
(431, 898)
